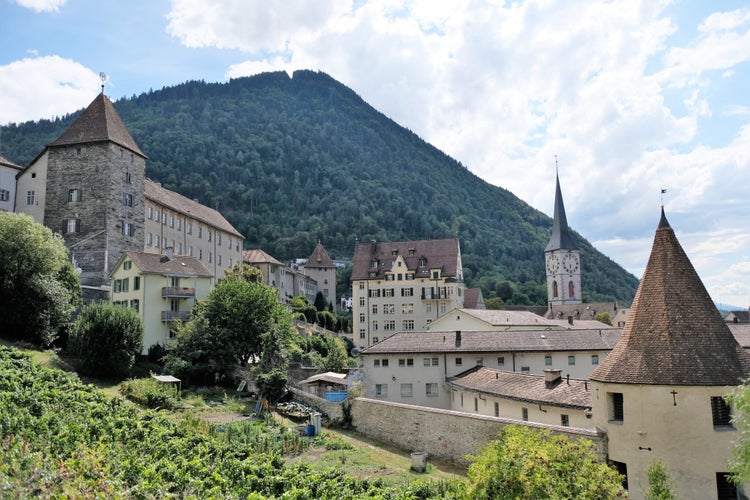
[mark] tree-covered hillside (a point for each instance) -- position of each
(294, 161)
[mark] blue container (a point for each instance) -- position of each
(310, 430)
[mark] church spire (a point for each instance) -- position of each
(561, 238)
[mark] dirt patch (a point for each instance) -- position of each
(222, 417)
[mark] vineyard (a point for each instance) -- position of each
(62, 438)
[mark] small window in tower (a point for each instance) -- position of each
(721, 412)
(615, 407)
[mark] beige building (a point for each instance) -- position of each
(403, 286)
(290, 281)
(422, 362)
(162, 288)
(544, 399)
(499, 320)
(659, 394)
(190, 229)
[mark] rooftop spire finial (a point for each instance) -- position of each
(103, 78)
(663, 191)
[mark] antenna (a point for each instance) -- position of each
(103, 78)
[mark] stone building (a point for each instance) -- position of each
(402, 286)
(319, 266)
(660, 392)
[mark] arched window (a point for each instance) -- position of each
(554, 289)
(571, 289)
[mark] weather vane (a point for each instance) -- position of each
(663, 191)
(103, 78)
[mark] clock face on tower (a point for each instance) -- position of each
(553, 264)
(570, 263)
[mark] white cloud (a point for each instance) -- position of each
(42, 5)
(44, 87)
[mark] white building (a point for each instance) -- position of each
(8, 173)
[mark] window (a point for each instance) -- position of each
(409, 361)
(594, 359)
(426, 361)
(375, 340)
(117, 286)
(407, 292)
(150, 212)
(615, 407)
(200, 232)
(571, 360)
(127, 200)
(137, 283)
(190, 250)
(547, 360)
(361, 302)
(210, 256)
(128, 264)
(156, 241)
(125, 284)
(564, 420)
(406, 390)
(219, 259)
(401, 362)
(149, 239)
(156, 215)
(459, 361)
(74, 195)
(725, 488)
(407, 324)
(497, 409)
(442, 308)
(361, 317)
(4, 195)
(374, 306)
(384, 363)
(389, 308)
(389, 324)
(407, 308)
(501, 361)
(135, 304)
(163, 217)
(381, 390)
(189, 228)
(431, 389)
(218, 239)
(179, 249)
(721, 412)
(428, 308)
(128, 229)
(376, 362)
(127, 174)
(375, 326)
(388, 292)
(361, 333)
(30, 197)
(71, 226)
(476, 404)
(525, 414)
(525, 369)
(179, 224)
(622, 469)
(435, 362)
(209, 235)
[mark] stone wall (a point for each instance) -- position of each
(445, 434)
(333, 410)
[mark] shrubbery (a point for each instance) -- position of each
(150, 393)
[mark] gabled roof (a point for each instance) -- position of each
(674, 334)
(506, 318)
(153, 263)
(155, 192)
(320, 259)
(565, 393)
(329, 377)
(471, 297)
(438, 254)
(7, 163)
(258, 256)
(562, 238)
(99, 122)
(498, 341)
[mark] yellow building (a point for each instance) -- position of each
(659, 393)
(162, 288)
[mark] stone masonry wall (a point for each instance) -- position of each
(333, 410)
(445, 434)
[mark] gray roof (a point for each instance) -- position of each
(497, 341)
(319, 259)
(258, 256)
(438, 254)
(180, 265)
(98, 122)
(562, 238)
(674, 334)
(7, 163)
(566, 393)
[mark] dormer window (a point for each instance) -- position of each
(374, 264)
(412, 251)
(422, 262)
(394, 252)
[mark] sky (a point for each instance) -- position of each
(623, 98)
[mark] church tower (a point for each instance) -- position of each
(562, 259)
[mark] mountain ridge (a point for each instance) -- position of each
(291, 161)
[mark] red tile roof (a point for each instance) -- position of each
(258, 256)
(532, 389)
(674, 334)
(439, 254)
(98, 122)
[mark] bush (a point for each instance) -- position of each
(150, 393)
(106, 338)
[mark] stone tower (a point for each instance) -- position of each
(95, 193)
(562, 258)
(319, 267)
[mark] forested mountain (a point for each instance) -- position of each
(294, 161)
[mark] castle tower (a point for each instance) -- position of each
(659, 393)
(562, 258)
(95, 193)
(319, 267)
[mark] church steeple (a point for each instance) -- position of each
(561, 238)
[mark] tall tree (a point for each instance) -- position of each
(526, 463)
(38, 287)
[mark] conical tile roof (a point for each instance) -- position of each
(674, 334)
(562, 238)
(98, 122)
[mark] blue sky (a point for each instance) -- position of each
(631, 96)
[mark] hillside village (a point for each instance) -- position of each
(439, 373)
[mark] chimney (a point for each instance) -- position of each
(552, 376)
(170, 253)
(458, 338)
(570, 319)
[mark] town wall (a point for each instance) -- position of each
(444, 434)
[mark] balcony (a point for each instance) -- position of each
(168, 316)
(177, 292)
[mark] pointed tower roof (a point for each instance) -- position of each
(98, 122)
(561, 237)
(320, 258)
(674, 334)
